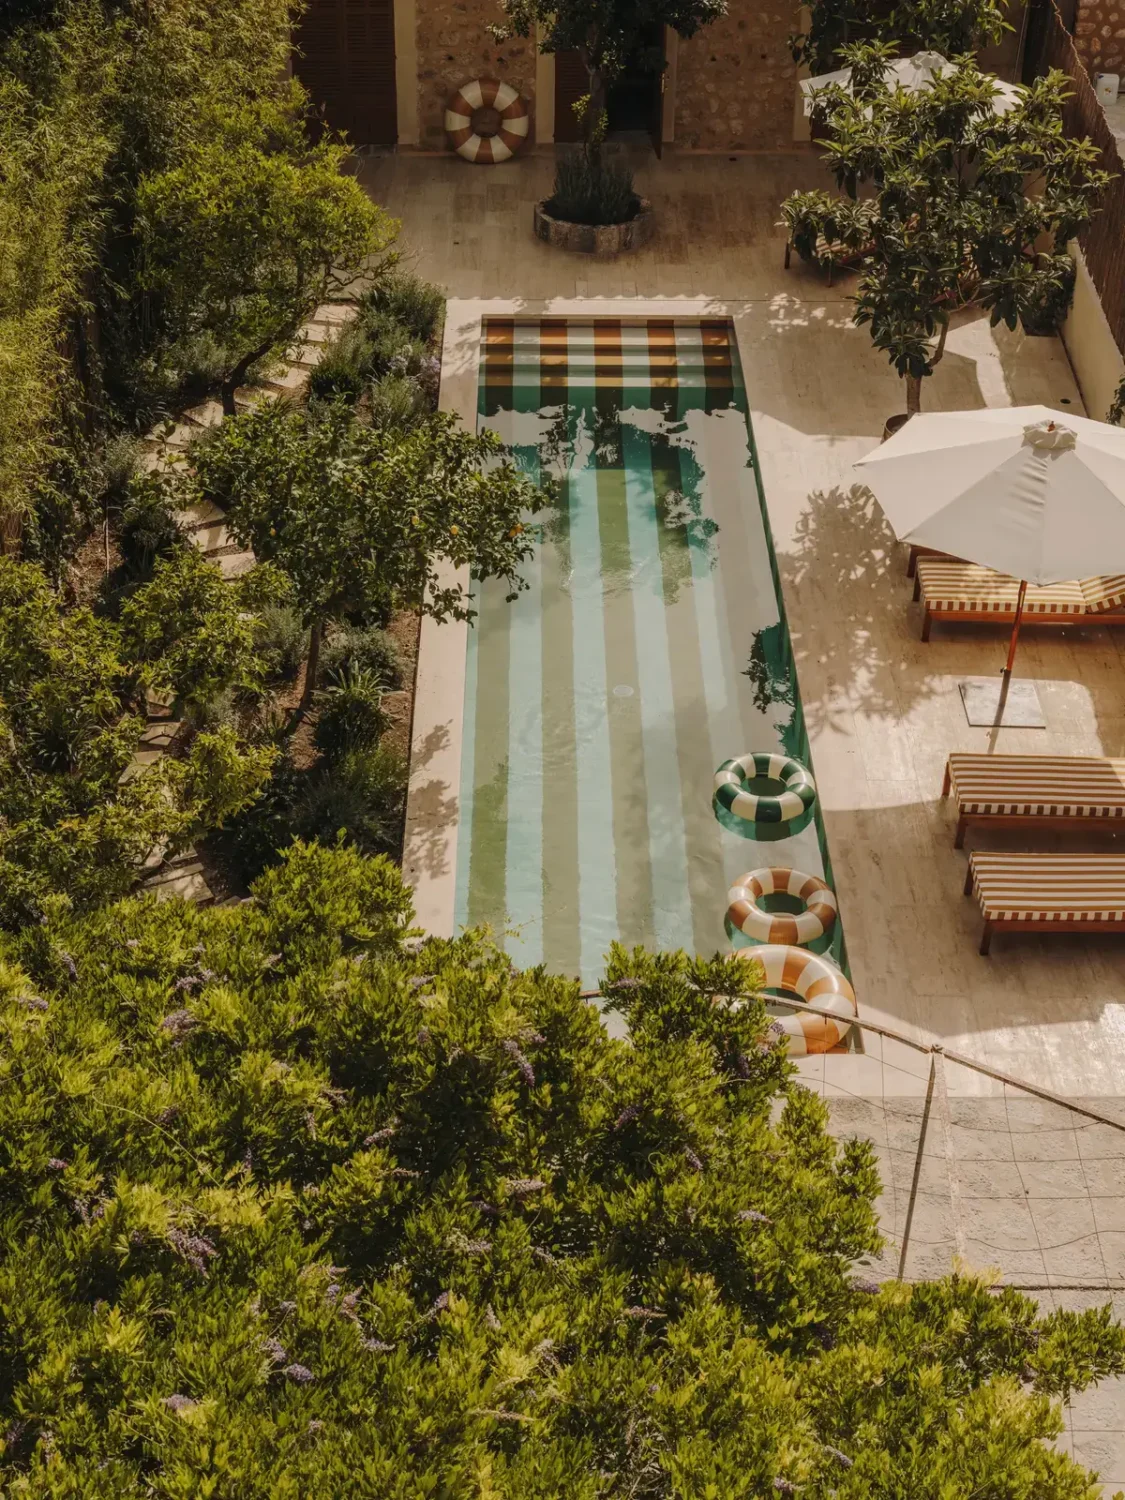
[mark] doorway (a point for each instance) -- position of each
(346, 59)
(635, 102)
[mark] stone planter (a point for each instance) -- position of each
(596, 239)
(894, 424)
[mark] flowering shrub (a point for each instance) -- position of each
(298, 1204)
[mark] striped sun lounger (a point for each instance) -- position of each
(1047, 892)
(1034, 789)
(951, 590)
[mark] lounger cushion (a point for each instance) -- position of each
(956, 588)
(1103, 593)
(1044, 786)
(1057, 888)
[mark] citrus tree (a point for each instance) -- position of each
(961, 199)
(297, 1203)
(365, 519)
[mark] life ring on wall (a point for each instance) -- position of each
(764, 815)
(817, 981)
(745, 915)
(486, 121)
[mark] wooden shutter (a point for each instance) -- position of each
(571, 83)
(346, 59)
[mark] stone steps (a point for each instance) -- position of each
(205, 525)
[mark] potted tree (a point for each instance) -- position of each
(963, 198)
(594, 206)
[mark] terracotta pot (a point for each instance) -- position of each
(895, 424)
(596, 239)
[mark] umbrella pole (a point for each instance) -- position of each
(1016, 629)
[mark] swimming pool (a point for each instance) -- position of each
(649, 647)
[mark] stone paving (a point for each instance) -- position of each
(205, 524)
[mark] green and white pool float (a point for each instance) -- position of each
(764, 815)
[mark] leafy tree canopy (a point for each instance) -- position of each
(962, 200)
(365, 518)
(951, 27)
(295, 1205)
(252, 229)
(74, 821)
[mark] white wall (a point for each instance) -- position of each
(1097, 361)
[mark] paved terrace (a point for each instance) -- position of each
(883, 709)
(993, 1173)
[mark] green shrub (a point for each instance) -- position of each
(361, 796)
(416, 305)
(587, 193)
(367, 647)
(150, 529)
(295, 1205)
(399, 401)
(351, 716)
(283, 640)
(345, 365)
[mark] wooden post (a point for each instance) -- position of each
(1016, 628)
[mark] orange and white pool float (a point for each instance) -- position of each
(817, 981)
(486, 121)
(746, 915)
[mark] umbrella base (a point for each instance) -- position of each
(1020, 708)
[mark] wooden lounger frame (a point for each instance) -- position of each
(1026, 819)
(1007, 616)
(1027, 924)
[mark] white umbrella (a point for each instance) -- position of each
(910, 73)
(1035, 493)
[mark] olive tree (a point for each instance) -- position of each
(962, 200)
(253, 229)
(366, 519)
(607, 35)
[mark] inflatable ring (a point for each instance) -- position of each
(799, 929)
(816, 980)
(486, 121)
(764, 816)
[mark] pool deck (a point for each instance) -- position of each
(883, 709)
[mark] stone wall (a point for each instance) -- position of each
(1099, 35)
(454, 46)
(736, 80)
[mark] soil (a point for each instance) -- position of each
(404, 629)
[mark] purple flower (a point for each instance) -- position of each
(515, 1052)
(841, 1458)
(692, 1160)
(275, 1350)
(753, 1216)
(523, 1187)
(68, 963)
(871, 1288)
(298, 1374)
(377, 1346)
(179, 1024)
(742, 1065)
(176, 1402)
(487, 1209)
(286, 1308)
(491, 1319)
(56, 1164)
(348, 1305)
(544, 1255)
(33, 1002)
(193, 1248)
(628, 983)
(439, 1305)
(423, 1036)
(785, 1487)
(315, 1426)
(644, 1314)
(132, 943)
(418, 980)
(627, 1116)
(166, 1116)
(377, 1137)
(477, 1247)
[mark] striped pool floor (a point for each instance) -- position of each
(649, 647)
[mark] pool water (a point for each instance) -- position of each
(649, 647)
